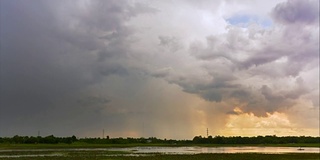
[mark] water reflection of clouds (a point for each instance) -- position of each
(143, 151)
(198, 150)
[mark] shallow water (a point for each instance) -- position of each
(197, 150)
(32, 155)
(140, 151)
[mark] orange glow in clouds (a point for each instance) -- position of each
(247, 124)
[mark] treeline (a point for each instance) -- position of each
(255, 140)
(130, 140)
(153, 140)
(34, 140)
(68, 140)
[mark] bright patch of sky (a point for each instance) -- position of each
(246, 20)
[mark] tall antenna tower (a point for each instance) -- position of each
(207, 132)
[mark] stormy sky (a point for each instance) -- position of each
(167, 69)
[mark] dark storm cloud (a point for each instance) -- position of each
(161, 73)
(225, 59)
(269, 96)
(296, 11)
(140, 8)
(51, 53)
(76, 67)
(233, 113)
(171, 42)
(251, 52)
(93, 101)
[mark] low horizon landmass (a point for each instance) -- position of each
(268, 139)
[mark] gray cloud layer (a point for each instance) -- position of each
(89, 65)
(295, 11)
(52, 51)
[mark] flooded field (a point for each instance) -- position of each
(149, 151)
(198, 150)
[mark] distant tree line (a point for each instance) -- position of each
(153, 140)
(34, 140)
(255, 140)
